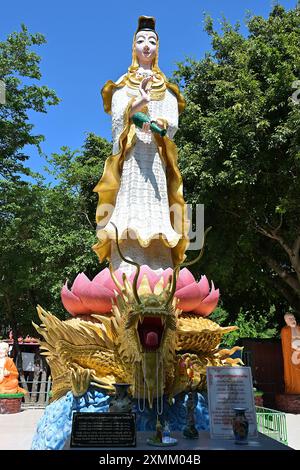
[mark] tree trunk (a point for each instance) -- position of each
(288, 281)
(288, 294)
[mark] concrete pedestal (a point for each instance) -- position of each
(10, 405)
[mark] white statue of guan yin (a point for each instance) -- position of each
(140, 190)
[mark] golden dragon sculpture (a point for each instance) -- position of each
(145, 341)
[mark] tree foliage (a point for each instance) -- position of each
(47, 233)
(20, 73)
(240, 156)
(260, 324)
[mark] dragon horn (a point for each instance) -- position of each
(114, 278)
(173, 284)
(181, 265)
(189, 263)
(134, 283)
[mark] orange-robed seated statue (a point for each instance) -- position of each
(290, 340)
(8, 372)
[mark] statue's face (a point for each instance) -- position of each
(3, 349)
(290, 320)
(145, 47)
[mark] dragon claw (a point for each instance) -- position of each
(80, 380)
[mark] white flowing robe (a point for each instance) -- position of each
(141, 211)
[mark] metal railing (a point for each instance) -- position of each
(38, 390)
(272, 423)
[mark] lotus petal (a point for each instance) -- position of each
(184, 279)
(189, 297)
(207, 306)
(104, 279)
(153, 278)
(97, 298)
(72, 303)
(203, 286)
(80, 285)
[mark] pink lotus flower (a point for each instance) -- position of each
(196, 296)
(87, 297)
(193, 296)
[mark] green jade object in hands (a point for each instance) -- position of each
(140, 118)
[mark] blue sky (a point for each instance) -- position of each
(90, 42)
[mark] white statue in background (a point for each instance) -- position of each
(141, 187)
(8, 372)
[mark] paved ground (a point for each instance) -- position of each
(293, 430)
(17, 430)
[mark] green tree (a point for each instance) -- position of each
(47, 233)
(67, 229)
(79, 171)
(19, 71)
(19, 215)
(251, 324)
(240, 156)
(19, 218)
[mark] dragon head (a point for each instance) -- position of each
(148, 321)
(145, 341)
(152, 320)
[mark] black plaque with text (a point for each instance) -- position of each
(103, 430)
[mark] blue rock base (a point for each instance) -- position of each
(54, 427)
